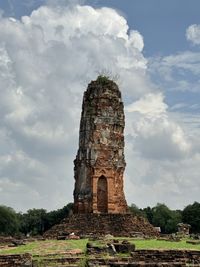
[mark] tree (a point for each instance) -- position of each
(33, 222)
(9, 224)
(37, 221)
(165, 218)
(136, 211)
(172, 223)
(56, 216)
(191, 215)
(148, 214)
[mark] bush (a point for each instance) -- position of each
(191, 215)
(103, 79)
(9, 223)
(165, 218)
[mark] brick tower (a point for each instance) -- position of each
(99, 203)
(100, 163)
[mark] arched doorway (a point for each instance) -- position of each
(102, 194)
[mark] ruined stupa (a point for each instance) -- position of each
(99, 203)
(100, 163)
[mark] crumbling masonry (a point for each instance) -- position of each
(100, 163)
(99, 203)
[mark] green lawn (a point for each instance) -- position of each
(55, 246)
(47, 247)
(161, 244)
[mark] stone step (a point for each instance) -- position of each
(161, 264)
(110, 263)
(67, 265)
(49, 261)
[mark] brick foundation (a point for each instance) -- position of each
(102, 224)
(16, 260)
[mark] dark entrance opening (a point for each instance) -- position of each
(102, 195)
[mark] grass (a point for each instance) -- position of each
(62, 246)
(47, 247)
(162, 244)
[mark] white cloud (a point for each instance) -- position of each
(162, 159)
(46, 61)
(136, 40)
(163, 140)
(193, 34)
(151, 105)
(155, 134)
(178, 72)
(158, 180)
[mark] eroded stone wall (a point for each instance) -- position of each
(100, 163)
(154, 258)
(102, 224)
(16, 260)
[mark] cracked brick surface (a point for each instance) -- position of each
(100, 163)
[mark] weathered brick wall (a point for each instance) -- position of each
(101, 224)
(154, 258)
(6, 239)
(179, 256)
(16, 260)
(56, 261)
(100, 163)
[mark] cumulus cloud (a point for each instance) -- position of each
(162, 155)
(46, 61)
(163, 139)
(161, 180)
(193, 34)
(151, 105)
(156, 135)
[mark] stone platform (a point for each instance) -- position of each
(138, 258)
(101, 224)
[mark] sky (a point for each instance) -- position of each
(49, 52)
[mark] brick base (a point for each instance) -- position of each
(102, 224)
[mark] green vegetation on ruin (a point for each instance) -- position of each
(103, 79)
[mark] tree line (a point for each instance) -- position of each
(167, 219)
(37, 221)
(33, 222)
